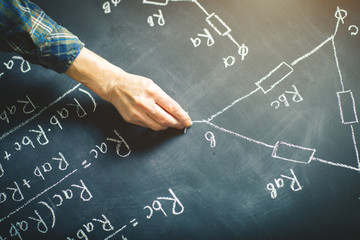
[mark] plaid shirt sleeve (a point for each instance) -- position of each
(27, 30)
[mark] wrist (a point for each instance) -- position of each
(95, 72)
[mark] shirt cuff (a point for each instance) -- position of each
(59, 50)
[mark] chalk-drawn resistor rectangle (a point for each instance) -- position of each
(268, 82)
(293, 153)
(156, 2)
(347, 107)
(218, 24)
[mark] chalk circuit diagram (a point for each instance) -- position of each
(281, 149)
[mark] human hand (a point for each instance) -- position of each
(140, 101)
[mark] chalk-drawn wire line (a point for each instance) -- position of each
(239, 135)
(274, 147)
(355, 146)
(331, 40)
(229, 106)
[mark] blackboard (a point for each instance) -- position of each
(273, 90)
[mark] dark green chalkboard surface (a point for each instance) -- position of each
(273, 90)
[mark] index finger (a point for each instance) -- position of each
(173, 108)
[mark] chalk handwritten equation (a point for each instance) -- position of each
(20, 192)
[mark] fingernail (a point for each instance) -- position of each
(189, 123)
(188, 120)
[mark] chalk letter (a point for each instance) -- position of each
(106, 225)
(81, 235)
(14, 232)
(151, 212)
(119, 144)
(63, 113)
(295, 185)
(17, 191)
(79, 109)
(106, 7)
(60, 200)
(38, 173)
(4, 117)
(63, 164)
(3, 197)
(23, 225)
(84, 190)
(272, 190)
(26, 104)
(89, 227)
(68, 194)
(41, 225)
(296, 97)
(158, 207)
(41, 134)
(55, 121)
(176, 202)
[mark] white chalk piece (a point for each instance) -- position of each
(277, 75)
(347, 107)
(293, 153)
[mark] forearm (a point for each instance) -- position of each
(94, 72)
